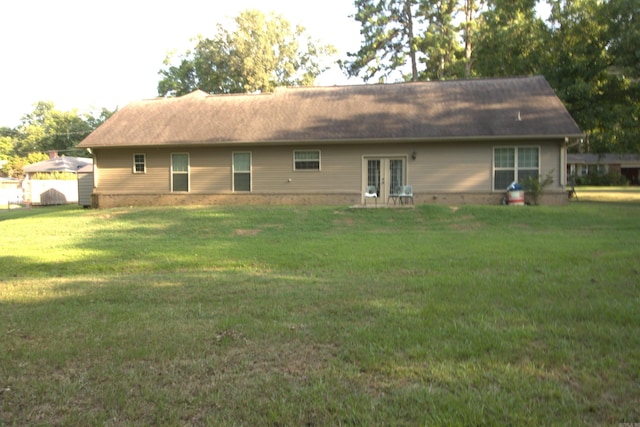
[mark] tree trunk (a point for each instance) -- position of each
(412, 48)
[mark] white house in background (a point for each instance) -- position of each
(53, 191)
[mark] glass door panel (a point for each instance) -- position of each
(395, 175)
(373, 174)
(386, 174)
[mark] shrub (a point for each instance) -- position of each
(535, 186)
(612, 178)
(56, 176)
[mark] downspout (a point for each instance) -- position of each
(563, 163)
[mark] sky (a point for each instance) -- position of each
(90, 54)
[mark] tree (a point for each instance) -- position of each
(261, 53)
(623, 18)
(46, 129)
(388, 28)
(15, 164)
(512, 39)
(469, 27)
(439, 43)
(587, 50)
(588, 64)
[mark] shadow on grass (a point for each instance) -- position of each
(315, 316)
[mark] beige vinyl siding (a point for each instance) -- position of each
(211, 170)
(439, 167)
(551, 159)
(340, 170)
(115, 172)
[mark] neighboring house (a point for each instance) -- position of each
(586, 164)
(10, 192)
(460, 141)
(52, 191)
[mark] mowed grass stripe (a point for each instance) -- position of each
(436, 315)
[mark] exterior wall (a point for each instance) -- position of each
(85, 188)
(444, 172)
(116, 200)
(10, 192)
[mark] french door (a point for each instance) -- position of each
(386, 174)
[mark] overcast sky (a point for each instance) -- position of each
(89, 54)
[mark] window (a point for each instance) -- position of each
(180, 172)
(139, 163)
(514, 164)
(306, 160)
(241, 171)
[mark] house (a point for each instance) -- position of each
(585, 165)
(10, 192)
(52, 190)
(461, 141)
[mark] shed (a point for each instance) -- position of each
(53, 191)
(85, 185)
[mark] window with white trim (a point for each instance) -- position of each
(514, 164)
(241, 171)
(306, 160)
(139, 163)
(180, 172)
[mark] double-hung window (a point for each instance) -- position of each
(514, 164)
(241, 171)
(179, 172)
(306, 160)
(139, 163)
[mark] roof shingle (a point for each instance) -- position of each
(457, 109)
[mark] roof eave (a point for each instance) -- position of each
(570, 139)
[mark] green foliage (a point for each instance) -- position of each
(58, 176)
(587, 50)
(442, 54)
(49, 129)
(6, 147)
(535, 186)
(46, 129)
(623, 34)
(612, 178)
(15, 164)
(388, 28)
(512, 40)
(261, 53)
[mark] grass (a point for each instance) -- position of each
(477, 315)
(609, 194)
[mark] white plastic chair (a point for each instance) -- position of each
(406, 193)
(371, 193)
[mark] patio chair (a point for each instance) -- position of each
(371, 193)
(393, 195)
(406, 194)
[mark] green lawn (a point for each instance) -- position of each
(313, 316)
(609, 194)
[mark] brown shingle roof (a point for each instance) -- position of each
(458, 109)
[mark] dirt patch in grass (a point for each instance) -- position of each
(246, 232)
